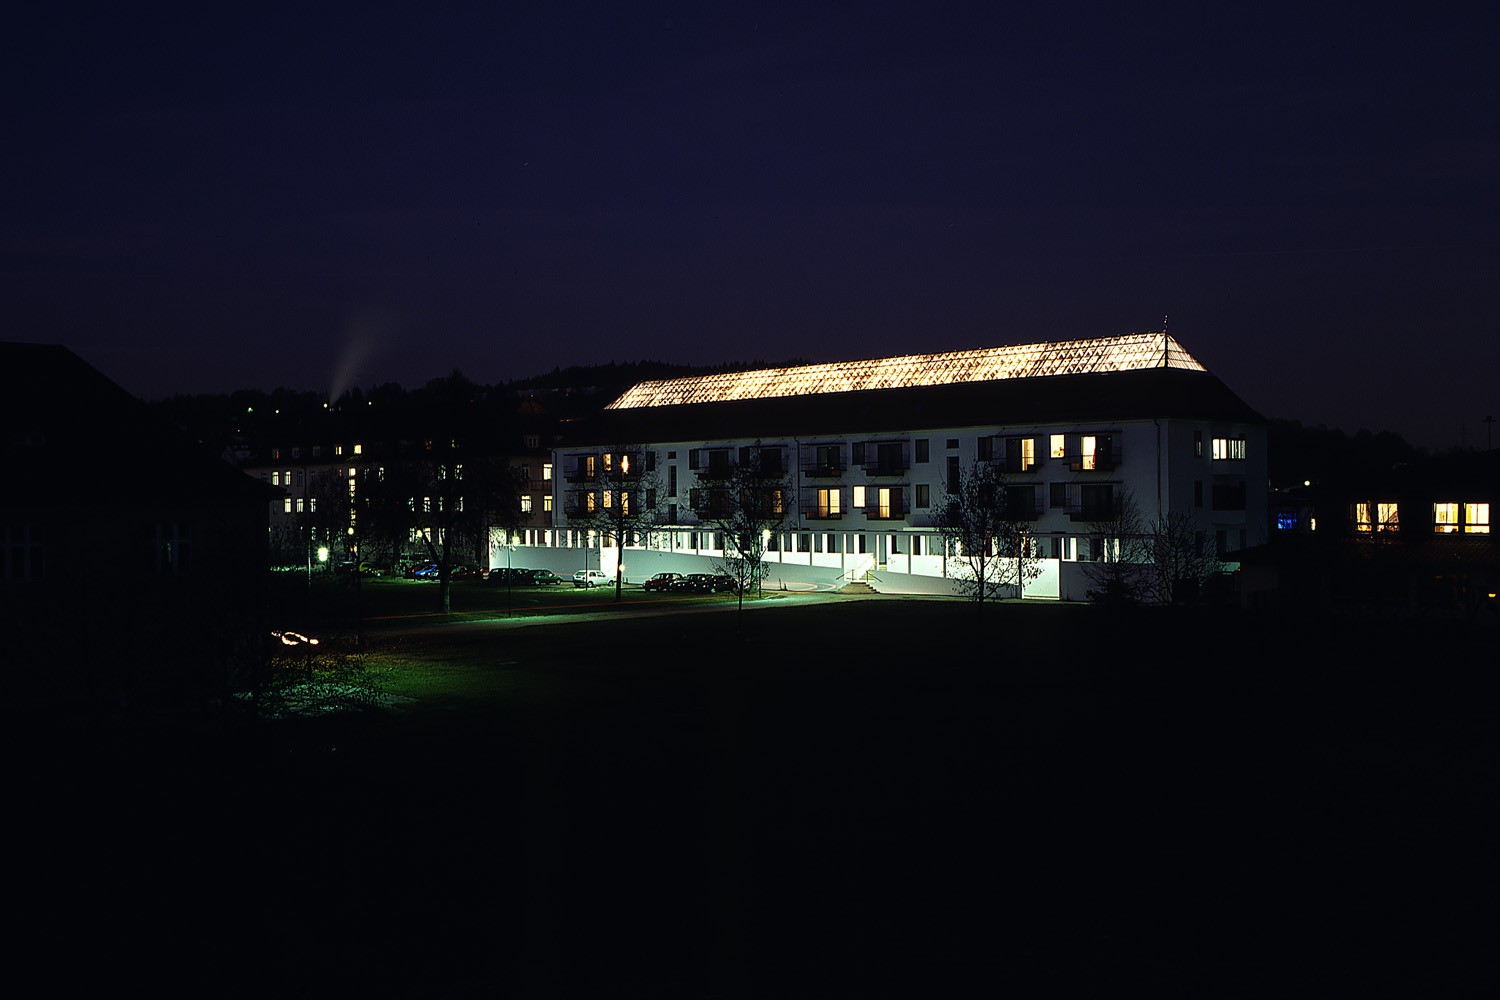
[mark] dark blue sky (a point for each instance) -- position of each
(204, 201)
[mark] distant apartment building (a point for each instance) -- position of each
(870, 449)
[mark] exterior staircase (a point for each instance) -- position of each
(857, 587)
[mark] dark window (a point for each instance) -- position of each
(924, 498)
(857, 452)
(1198, 493)
(671, 480)
(952, 473)
(953, 443)
(986, 448)
(1059, 496)
(921, 449)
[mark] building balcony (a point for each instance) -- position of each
(891, 513)
(823, 515)
(822, 471)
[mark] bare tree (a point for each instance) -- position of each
(1122, 573)
(1183, 561)
(746, 501)
(614, 492)
(985, 528)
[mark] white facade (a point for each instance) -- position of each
(863, 504)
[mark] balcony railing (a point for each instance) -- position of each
(823, 471)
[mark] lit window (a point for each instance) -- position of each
(1477, 518)
(359, 449)
(828, 502)
(884, 497)
(547, 472)
(589, 502)
(859, 497)
(286, 505)
(526, 503)
(1229, 449)
(276, 477)
(1383, 516)
(1058, 446)
(338, 449)
(1090, 452)
(1445, 518)
(299, 506)
(547, 503)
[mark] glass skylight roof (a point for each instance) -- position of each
(1065, 357)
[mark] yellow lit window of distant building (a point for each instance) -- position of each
(1445, 518)
(1477, 518)
(1028, 454)
(1362, 517)
(546, 472)
(884, 499)
(859, 497)
(1390, 517)
(547, 503)
(1090, 452)
(1058, 446)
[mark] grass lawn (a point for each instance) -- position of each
(849, 798)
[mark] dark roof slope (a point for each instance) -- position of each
(1091, 398)
(69, 436)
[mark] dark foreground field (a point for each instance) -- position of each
(866, 798)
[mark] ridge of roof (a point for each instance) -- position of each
(1130, 352)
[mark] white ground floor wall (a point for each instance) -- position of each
(888, 567)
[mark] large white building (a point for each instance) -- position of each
(871, 446)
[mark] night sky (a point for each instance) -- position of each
(213, 197)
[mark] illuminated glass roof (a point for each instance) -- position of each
(1064, 357)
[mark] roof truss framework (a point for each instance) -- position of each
(1131, 352)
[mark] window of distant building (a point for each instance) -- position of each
(1380, 516)
(23, 557)
(525, 503)
(286, 505)
(924, 495)
(338, 449)
(276, 477)
(952, 443)
(1197, 444)
(884, 501)
(921, 449)
(1229, 449)
(1286, 521)
(859, 497)
(359, 449)
(1471, 518)
(1477, 518)
(547, 503)
(1057, 446)
(1090, 452)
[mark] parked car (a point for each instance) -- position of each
(694, 583)
(723, 583)
(542, 578)
(591, 578)
(513, 575)
(423, 571)
(463, 572)
(661, 581)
